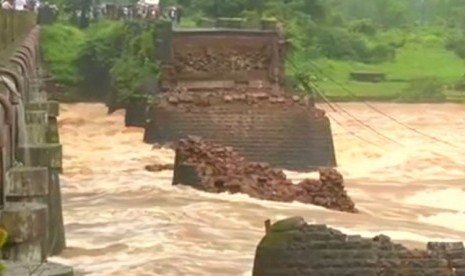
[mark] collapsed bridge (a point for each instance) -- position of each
(227, 84)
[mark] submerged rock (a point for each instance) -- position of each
(159, 167)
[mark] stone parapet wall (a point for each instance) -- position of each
(14, 27)
(30, 156)
(292, 247)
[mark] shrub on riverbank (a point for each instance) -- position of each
(426, 89)
(108, 60)
(115, 59)
(60, 47)
(103, 46)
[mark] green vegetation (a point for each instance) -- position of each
(3, 239)
(60, 46)
(418, 45)
(109, 59)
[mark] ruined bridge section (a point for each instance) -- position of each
(293, 247)
(30, 154)
(227, 86)
(202, 59)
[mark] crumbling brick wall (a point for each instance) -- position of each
(193, 58)
(294, 248)
(286, 134)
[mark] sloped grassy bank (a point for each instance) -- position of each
(114, 61)
(109, 61)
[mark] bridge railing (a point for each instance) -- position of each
(14, 26)
(30, 153)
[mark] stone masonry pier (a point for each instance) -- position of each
(31, 155)
(293, 247)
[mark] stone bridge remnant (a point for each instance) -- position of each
(30, 156)
(214, 168)
(227, 85)
(293, 247)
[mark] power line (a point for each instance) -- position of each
(381, 112)
(326, 100)
(305, 84)
(342, 125)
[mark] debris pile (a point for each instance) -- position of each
(159, 167)
(222, 170)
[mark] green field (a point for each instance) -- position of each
(415, 60)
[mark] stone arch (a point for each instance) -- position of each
(27, 61)
(31, 54)
(10, 120)
(8, 107)
(20, 63)
(33, 49)
(16, 79)
(24, 76)
(11, 86)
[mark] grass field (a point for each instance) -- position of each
(414, 60)
(423, 55)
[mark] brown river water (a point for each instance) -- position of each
(122, 220)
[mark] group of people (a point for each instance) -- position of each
(20, 5)
(143, 10)
(27, 5)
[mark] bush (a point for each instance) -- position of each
(393, 38)
(3, 239)
(381, 53)
(109, 59)
(364, 26)
(426, 89)
(456, 43)
(136, 66)
(102, 48)
(60, 46)
(338, 43)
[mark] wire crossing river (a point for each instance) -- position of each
(122, 220)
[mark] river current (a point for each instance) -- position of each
(123, 220)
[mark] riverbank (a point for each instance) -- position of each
(389, 96)
(423, 57)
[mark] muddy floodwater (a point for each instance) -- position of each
(122, 220)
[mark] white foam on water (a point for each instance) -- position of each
(122, 220)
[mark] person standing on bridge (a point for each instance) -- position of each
(175, 14)
(6, 5)
(179, 13)
(20, 5)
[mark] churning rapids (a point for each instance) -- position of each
(123, 220)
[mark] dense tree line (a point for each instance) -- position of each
(338, 29)
(364, 31)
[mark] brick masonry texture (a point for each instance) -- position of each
(285, 136)
(292, 247)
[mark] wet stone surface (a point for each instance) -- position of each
(293, 247)
(220, 169)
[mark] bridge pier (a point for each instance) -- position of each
(30, 158)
